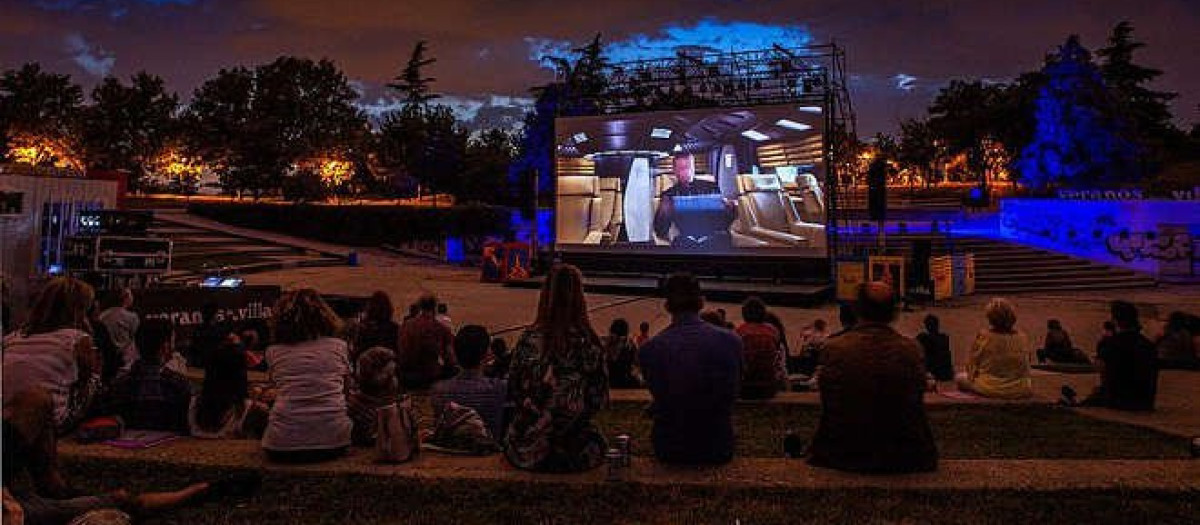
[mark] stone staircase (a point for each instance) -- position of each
(197, 252)
(1003, 267)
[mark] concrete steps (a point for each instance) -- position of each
(1002, 267)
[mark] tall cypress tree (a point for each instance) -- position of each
(1146, 108)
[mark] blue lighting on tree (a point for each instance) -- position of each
(1078, 140)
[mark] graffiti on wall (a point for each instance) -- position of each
(1132, 246)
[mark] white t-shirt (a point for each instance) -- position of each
(310, 402)
(122, 326)
(44, 360)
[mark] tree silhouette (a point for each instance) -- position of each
(578, 90)
(256, 125)
(127, 127)
(40, 110)
(411, 83)
(1079, 141)
(1127, 81)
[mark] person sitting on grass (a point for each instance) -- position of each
(224, 408)
(122, 323)
(151, 396)
(376, 386)
(693, 369)
(1058, 347)
(499, 359)
(30, 447)
(558, 382)
(470, 388)
(643, 334)
(310, 368)
(998, 365)
(425, 353)
(939, 362)
(872, 385)
(1129, 376)
(54, 352)
(760, 352)
(377, 328)
(1177, 347)
(621, 356)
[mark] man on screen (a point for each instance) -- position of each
(695, 208)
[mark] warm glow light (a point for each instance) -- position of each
(335, 172)
(38, 151)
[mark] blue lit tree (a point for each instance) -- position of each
(1079, 139)
(577, 91)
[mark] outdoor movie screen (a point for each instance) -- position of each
(715, 180)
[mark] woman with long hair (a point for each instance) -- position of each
(377, 327)
(999, 362)
(54, 352)
(558, 382)
(224, 408)
(310, 368)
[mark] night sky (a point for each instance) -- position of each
(900, 51)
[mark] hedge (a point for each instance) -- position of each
(362, 225)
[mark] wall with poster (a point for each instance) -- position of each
(850, 274)
(888, 269)
(1149, 235)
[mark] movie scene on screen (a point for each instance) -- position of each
(715, 180)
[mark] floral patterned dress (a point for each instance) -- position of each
(555, 398)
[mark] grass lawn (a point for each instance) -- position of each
(962, 432)
(310, 499)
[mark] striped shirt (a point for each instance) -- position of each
(470, 388)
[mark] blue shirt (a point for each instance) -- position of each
(693, 371)
(471, 389)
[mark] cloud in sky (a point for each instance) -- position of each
(905, 82)
(94, 60)
(707, 34)
(486, 46)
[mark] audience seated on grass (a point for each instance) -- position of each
(872, 383)
(693, 370)
(309, 367)
(643, 334)
(1058, 347)
(425, 347)
(761, 352)
(207, 336)
(998, 365)
(1177, 346)
(1129, 380)
(122, 324)
(939, 362)
(110, 356)
(224, 408)
(150, 396)
(376, 386)
(621, 355)
(30, 447)
(377, 327)
(784, 348)
(470, 388)
(557, 383)
(499, 359)
(54, 352)
(803, 360)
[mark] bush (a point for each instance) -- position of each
(362, 225)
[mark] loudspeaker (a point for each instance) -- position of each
(922, 250)
(877, 190)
